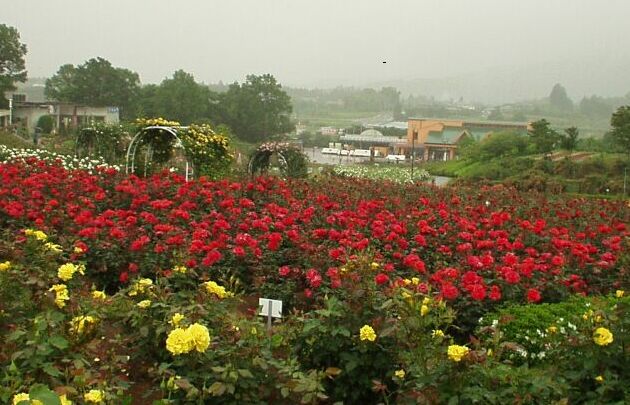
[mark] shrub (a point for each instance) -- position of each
(46, 123)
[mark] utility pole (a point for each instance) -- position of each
(413, 150)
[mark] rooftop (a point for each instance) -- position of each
(474, 123)
(372, 138)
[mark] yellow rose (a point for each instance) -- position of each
(4, 266)
(456, 352)
(424, 310)
(144, 304)
(180, 269)
(61, 294)
(176, 319)
(79, 324)
(602, 336)
(39, 235)
(99, 295)
(199, 336)
(94, 396)
(64, 400)
(66, 271)
(22, 396)
(179, 341)
(216, 289)
(619, 293)
(400, 373)
(437, 333)
(52, 247)
(367, 333)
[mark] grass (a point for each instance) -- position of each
(337, 119)
(14, 141)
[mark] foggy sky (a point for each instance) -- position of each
(323, 42)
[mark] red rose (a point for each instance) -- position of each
(533, 295)
(381, 278)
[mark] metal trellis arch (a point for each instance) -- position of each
(130, 164)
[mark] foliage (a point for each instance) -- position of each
(258, 109)
(558, 98)
(108, 141)
(205, 148)
(208, 149)
(12, 66)
(543, 137)
(563, 337)
(497, 145)
(365, 100)
(180, 98)
(385, 290)
(291, 161)
(595, 107)
(95, 83)
(569, 139)
(13, 141)
(620, 122)
(46, 123)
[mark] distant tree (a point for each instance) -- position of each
(569, 139)
(543, 137)
(620, 122)
(62, 86)
(558, 98)
(95, 83)
(182, 99)
(12, 66)
(501, 144)
(258, 110)
(595, 106)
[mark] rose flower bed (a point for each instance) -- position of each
(116, 287)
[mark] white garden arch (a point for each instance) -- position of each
(130, 164)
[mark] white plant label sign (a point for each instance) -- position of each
(269, 307)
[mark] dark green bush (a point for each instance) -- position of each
(46, 123)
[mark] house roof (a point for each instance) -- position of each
(449, 136)
(372, 139)
(467, 124)
(372, 132)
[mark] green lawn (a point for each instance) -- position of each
(13, 141)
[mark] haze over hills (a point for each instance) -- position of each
(604, 77)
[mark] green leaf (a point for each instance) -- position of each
(454, 400)
(59, 342)
(245, 373)
(276, 340)
(217, 389)
(51, 370)
(44, 394)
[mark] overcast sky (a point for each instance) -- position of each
(319, 42)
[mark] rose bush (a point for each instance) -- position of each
(379, 279)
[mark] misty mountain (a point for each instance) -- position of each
(607, 78)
